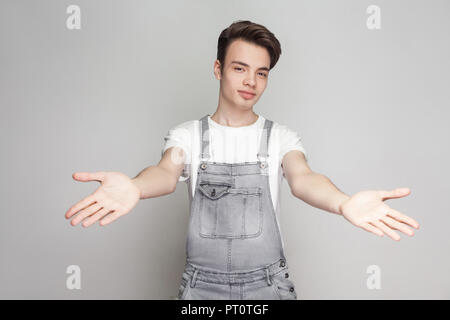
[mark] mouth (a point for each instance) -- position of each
(246, 95)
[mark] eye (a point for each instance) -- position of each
(262, 73)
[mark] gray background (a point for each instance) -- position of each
(371, 106)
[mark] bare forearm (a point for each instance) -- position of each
(318, 191)
(153, 182)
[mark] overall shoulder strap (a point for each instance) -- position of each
(265, 136)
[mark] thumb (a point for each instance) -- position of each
(395, 193)
(88, 176)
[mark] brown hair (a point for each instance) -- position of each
(251, 32)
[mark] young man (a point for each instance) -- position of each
(234, 162)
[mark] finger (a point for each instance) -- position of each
(110, 218)
(86, 202)
(368, 227)
(98, 215)
(391, 233)
(86, 212)
(89, 176)
(397, 225)
(403, 218)
(395, 193)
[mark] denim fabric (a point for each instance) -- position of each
(233, 247)
(268, 283)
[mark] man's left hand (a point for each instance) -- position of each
(367, 210)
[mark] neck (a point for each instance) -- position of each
(232, 118)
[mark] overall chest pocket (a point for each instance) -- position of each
(229, 212)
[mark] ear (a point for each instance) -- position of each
(217, 73)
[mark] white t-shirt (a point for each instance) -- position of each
(234, 145)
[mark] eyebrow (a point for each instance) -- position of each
(246, 65)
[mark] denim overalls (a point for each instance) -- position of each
(233, 248)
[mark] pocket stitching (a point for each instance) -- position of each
(202, 205)
(185, 291)
(218, 196)
(275, 288)
(185, 284)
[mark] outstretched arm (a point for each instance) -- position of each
(365, 209)
(118, 194)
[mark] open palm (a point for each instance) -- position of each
(367, 210)
(116, 196)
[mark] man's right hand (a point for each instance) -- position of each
(116, 196)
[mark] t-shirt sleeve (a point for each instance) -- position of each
(179, 136)
(290, 140)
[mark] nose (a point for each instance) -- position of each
(250, 80)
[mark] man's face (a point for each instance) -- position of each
(246, 68)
